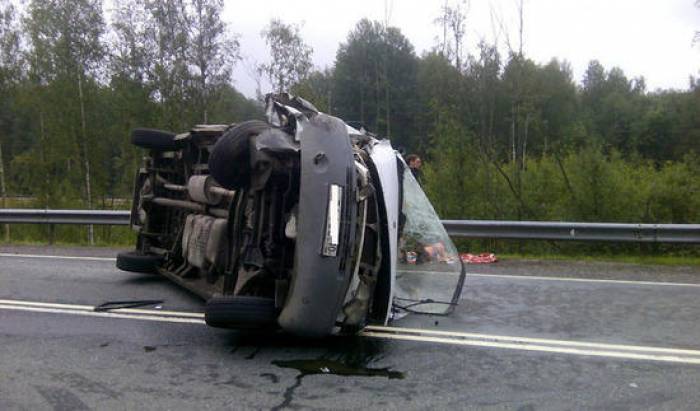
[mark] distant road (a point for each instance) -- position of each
(527, 335)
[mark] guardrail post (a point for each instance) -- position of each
(3, 193)
(52, 233)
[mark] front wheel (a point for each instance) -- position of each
(240, 312)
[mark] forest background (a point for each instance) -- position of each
(502, 137)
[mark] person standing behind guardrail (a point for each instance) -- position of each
(414, 164)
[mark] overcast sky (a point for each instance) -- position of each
(650, 38)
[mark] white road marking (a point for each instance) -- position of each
(529, 340)
(621, 351)
(534, 347)
(582, 280)
(546, 278)
(107, 314)
(163, 313)
(58, 257)
(504, 276)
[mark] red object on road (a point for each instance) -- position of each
(483, 258)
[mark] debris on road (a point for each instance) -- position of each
(116, 305)
(483, 258)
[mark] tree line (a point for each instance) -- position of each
(504, 137)
(73, 85)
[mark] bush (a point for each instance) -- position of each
(586, 185)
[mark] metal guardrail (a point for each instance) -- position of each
(515, 230)
(541, 230)
(34, 216)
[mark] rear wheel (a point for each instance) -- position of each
(240, 312)
(137, 262)
(153, 139)
(230, 158)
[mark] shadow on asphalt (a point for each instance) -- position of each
(146, 280)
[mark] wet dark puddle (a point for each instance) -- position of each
(344, 356)
(334, 367)
(348, 356)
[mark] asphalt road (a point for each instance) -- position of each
(568, 336)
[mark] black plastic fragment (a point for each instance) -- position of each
(115, 305)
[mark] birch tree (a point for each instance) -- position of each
(9, 75)
(290, 56)
(213, 52)
(65, 38)
(452, 19)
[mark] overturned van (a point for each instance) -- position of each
(300, 223)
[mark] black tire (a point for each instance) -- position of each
(153, 139)
(230, 158)
(138, 263)
(241, 312)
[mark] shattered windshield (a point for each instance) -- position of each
(429, 273)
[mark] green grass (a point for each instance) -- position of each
(669, 260)
(68, 235)
(98, 244)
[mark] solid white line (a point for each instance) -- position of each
(505, 276)
(398, 333)
(582, 280)
(103, 314)
(183, 314)
(528, 340)
(58, 257)
(533, 347)
(47, 305)
(164, 313)
(545, 278)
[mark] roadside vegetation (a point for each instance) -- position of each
(502, 136)
(668, 260)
